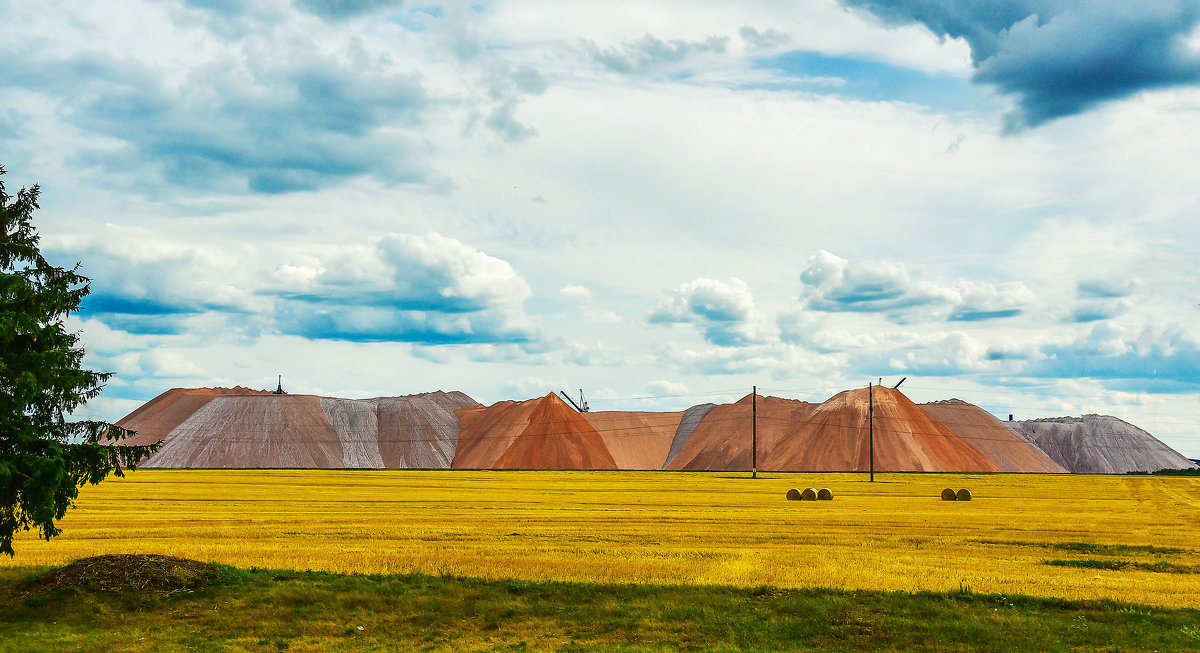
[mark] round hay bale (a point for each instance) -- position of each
(824, 494)
(793, 495)
(964, 495)
(949, 495)
(809, 494)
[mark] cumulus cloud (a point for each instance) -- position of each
(145, 283)
(398, 287)
(306, 122)
(764, 40)
(835, 284)
(1058, 58)
(665, 388)
(430, 289)
(429, 272)
(260, 113)
(650, 55)
(576, 292)
(1166, 357)
(722, 310)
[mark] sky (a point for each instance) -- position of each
(659, 203)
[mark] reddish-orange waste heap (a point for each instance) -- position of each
(722, 440)
(238, 427)
(982, 430)
(541, 433)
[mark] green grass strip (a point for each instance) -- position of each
(262, 610)
(1161, 566)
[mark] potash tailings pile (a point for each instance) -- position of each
(238, 427)
(241, 428)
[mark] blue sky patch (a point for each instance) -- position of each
(874, 81)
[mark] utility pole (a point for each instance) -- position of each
(871, 426)
(754, 435)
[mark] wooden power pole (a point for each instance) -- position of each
(871, 427)
(754, 434)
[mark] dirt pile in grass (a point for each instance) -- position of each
(240, 428)
(981, 429)
(130, 573)
(1099, 444)
(542, 433)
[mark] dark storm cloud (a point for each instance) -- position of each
(1059, 58)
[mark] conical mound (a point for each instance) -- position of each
(990, 437)
(540, 433)
(556, 437)
(906, 438)
(1099, 444)
(486, 432)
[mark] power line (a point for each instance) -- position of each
(512, 430)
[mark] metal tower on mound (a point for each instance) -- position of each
(582, 406)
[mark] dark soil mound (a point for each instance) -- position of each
(132, 573)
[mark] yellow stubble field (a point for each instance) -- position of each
(661, 527)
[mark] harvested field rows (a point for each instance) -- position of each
(694, 528)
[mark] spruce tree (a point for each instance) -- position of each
(45, 457)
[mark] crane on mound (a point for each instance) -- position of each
(582, 406)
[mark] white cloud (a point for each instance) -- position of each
(960, 251)
(722, 310)
(663, 387)
(576, 292)
(837, 285)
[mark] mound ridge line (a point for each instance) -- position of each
(242, 428)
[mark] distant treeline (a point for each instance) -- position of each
(1170, 472)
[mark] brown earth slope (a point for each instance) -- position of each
(906, 438)
(981, 429)
(687, 425)
(486, 432)
(253, 431)
(832, 436)
(237, 427)
(156, 418)
(636, 440)
(542, 433)
(723, 438)
(1099, 444)
(419, 431)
